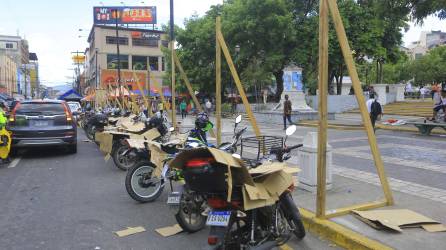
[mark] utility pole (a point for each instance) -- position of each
(172, 45)
(96, 67)
(77, 81)
(117, 50)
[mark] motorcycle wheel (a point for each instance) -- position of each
(123, 162)
(90, 132)
(141, 185)
(293, 216)
(189, 215)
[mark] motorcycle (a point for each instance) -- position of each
(191, 206)
(95, 123)
(124, 156)
(234, 223)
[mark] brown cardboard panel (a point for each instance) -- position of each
(169, 231)
(130, 231)
(136, 143)
(98, 137)
(107, 157)
(434, 228)
(249, 204)
(257, 192)
(151, 134)
(106, 143)
(395, 219)
(278, 182)
(157, 157)
(267, 168)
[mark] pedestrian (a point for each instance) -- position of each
(154, 105)
(208, 106)
(265, 96)
(183, 107)
(439, 102)
(233, 104)
(160, 107)
(287, 108)
(375, 109)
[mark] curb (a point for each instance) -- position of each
(378, 126)
(339, 235)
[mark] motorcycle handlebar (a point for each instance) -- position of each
(288, 149)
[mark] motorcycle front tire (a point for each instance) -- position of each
(131, 191)
(293, 216)
(120, 148)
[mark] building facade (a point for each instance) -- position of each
(17, 49)
(8, 75)
(428, 41)
(140, 56)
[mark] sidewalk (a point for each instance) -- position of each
(415, 178)
(353, 121)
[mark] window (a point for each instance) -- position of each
(9, 45)
(144, 41)
(165, 43)
(112, 61)
(153, 62)
(40, 108)
(139, 62)
(163, 63)
(112, 40)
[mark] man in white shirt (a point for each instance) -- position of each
(208, 106)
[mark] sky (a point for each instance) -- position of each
(52, 27)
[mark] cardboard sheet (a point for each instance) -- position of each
(169, 231)
(434, 228)
(106, 143)
(396, 219)
(130, 231)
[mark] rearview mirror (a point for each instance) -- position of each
(194, 144)
(171, 129)
(290, 130)
(238, 119)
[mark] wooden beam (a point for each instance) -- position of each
(189, 87)
(174, 111)
(322, 129)
(365, 206)
(238, 83)
(218, 81)
(160, 91)
(346, 51)
(144, 97)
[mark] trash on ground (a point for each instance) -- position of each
(86, 140)
(169, 231)
(107, 157)
(433, 228)
(396, 219)
(130, 231)
(394, 122)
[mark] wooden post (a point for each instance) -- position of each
(218, 81)
(189, 87)
(174, 115)
(345, 47)
(141, 90)
(160, 91)
(323, 89)
(238, 83)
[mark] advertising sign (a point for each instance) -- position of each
(292, 79)
(110, 77)
(125, 15)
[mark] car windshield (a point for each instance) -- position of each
(40, 109)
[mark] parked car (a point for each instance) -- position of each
(37, 123)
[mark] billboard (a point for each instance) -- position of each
(125, 15)
(110, 77)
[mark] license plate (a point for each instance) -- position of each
(218, 218)
(174, 198)
(40, 123)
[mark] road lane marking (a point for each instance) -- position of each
(411, 188)
(14, 162)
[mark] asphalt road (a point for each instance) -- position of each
(53, 200)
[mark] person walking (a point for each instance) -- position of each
(208, 106)
(287, 108)
(183, 107)
(375, 110)
(160, 107)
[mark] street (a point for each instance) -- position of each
(54, 200)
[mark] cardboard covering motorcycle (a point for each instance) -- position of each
(272, 178)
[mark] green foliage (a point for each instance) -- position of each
(430, 68)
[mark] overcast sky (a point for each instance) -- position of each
(51, 27)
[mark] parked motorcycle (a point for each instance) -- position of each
(95, 123)
(235, 223)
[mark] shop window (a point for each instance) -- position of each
(139, 62)
(112, 61)
(153, 62)
(112, 40)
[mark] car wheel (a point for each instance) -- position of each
(72, 149)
